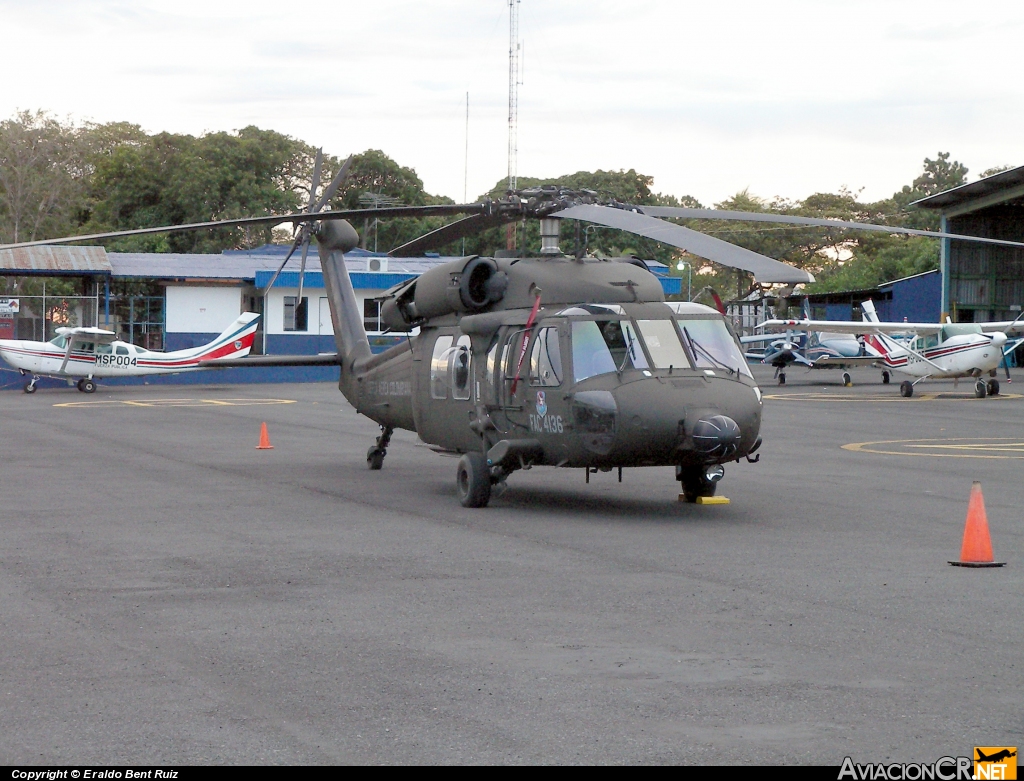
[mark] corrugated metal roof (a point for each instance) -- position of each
(55, 261)
(990, 185)
(153, 265)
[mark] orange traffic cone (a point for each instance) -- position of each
(976, 550)
(264, 439)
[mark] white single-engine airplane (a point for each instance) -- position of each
(88, 353)
(931, 350)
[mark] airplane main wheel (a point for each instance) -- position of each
(980, 389)
(906, 389)
(782, 378)
(87, 386)
(30, 387)
(375, 458)
(847, 379)
(79, 385)
(885, 378)
(473, 480)
(695, 484)
(993, 387)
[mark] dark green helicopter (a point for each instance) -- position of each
(556, 360)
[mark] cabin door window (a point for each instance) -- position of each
(460, 363)
(439, 367)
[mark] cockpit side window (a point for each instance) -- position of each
(104, 349)
(122, 350)
(546, 359)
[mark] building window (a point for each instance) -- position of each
(371, 315)
(295, 315)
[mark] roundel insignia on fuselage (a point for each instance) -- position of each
(238, 344)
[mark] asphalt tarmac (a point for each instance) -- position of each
(170, 594)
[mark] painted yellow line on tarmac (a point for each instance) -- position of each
(959, 447)
(175, 402)
(895, 396)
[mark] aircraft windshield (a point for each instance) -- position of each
(59, 341)
(712, 345)
(663, 344)
(600, 347)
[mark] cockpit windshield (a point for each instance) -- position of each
(712, 346)
(603, 346)
(60, 341)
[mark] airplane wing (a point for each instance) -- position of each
(322, 359)
(88, 334)
(856, 326)
(1017, 326)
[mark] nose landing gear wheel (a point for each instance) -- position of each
(847, 379)
(782, 378)
(695, 484)
(30, 386)
(980, 390)
(375, 458)
(885, 378)
(993, 387)
(906, 389)
(473, 480)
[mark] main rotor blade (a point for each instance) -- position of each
(764, 269)
(295, 218)
(332, 188)
(446, 234)
(302, 267)
(316, 178)
(720, 214)
(284, 262)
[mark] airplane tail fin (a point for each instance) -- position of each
(868, 308)
(235, 342)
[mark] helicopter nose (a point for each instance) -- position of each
(716, 437)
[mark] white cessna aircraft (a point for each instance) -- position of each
(88, 353)
(929, 350)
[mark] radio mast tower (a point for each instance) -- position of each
(513, 89)
(513, 106)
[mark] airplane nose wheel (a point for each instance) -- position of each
(993, 387)
(980, 389)
(885, 378)
(906, 389)
(30, 386)
(847, 379)
(782, 381)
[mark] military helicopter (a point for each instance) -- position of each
(558, 360)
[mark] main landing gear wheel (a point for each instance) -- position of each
(30, 386)
(847, 379)
(695, 483)
(782, 379)
(993, 387)
(87, 386)
(980, 389)
(906, 389)
(473, 480)
(885, 378)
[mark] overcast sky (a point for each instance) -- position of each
(785, 98)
